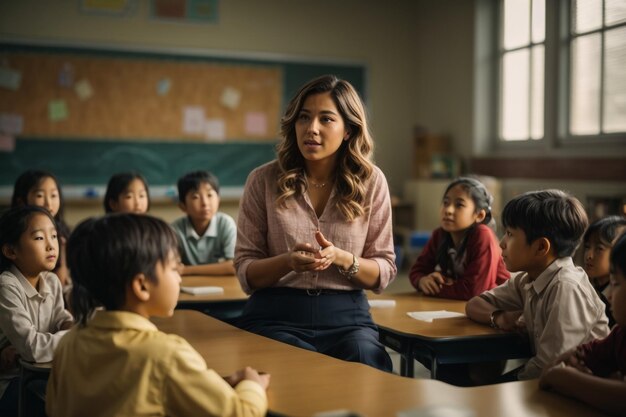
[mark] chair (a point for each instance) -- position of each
(32, 395)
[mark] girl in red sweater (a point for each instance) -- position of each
(462, 257)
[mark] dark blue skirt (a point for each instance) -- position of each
(335, 323)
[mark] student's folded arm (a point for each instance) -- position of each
(31, 344)
(192, 389)
(601, 393)
(425, 263)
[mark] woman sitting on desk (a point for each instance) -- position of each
(314, 230)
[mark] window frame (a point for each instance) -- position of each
(557, 137)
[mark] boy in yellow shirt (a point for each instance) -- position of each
(116, 362)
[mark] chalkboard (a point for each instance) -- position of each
(79, 157)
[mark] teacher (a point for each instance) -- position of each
(314, 230)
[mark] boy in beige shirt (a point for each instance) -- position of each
(550, 298)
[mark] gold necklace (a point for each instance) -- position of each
(316, 184)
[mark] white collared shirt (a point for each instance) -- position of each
(30, 319)
(561, 310)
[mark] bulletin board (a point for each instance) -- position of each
(88, 113)
(142, 99)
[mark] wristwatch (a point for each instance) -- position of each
(494, 316)
(354, 268)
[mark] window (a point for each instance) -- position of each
(522, 68)
(598, 67)
(565, 59)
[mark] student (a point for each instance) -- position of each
(551, 298)
(41, 188)
(206, 236)
(315, 230)
(598, 241)
(127, 192)
(32, 316)
(116, 362)
(594, 372)
(462, 258)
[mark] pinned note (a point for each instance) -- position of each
(7, 142)
(66, 75)
(215, 129)
(230, 97)
(193, 120)
(429, 316)
(57, 110)
(256, 123)
(10, 79)
(11, 123)
(163, 86)
(83, 89)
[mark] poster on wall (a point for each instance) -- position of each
(191, 11)
(108, 7)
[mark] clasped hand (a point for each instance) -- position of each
(304, 257)
(432, 283)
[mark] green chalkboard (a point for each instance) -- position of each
(90, 161)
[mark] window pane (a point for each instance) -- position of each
(536, 93)
(539, 20)
(586, 15)
(516, 23)
(515, 68)
(615, 11)
(585, 87)
(614, 119)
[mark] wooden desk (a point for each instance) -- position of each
(226, 306)
(304, 383)
(451, 340)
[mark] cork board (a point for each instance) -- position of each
(125, 124)
(125, 101)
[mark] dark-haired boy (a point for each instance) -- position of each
(551, 298)
(206, 237)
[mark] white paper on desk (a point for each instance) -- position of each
(382, 303)
(202, 290)
(429, 316)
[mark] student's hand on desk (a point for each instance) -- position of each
(252, 374)
(573, 358)
(431, 284)
(510, 321)
(554, 375)
(8, 358)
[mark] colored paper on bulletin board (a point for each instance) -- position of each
(199, 11)
(193, 120)
(10, 79)
(256, 123)
(110, 7)
(7, 143)
(230, 98)
(215, 129)
(83, 89)
(57, 110)
(12, 124)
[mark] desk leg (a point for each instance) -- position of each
(407, 365)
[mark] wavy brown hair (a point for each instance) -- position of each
(354, 165)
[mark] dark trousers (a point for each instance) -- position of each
(335, 323)
(9, 401)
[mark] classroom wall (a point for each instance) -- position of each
(379, 35)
